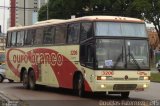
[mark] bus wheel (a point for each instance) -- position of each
(10, 81)
(80, 86)
(32, 80)
(1, 78)
(25, 80)
(124, 94)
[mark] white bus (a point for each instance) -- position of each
(89, 54)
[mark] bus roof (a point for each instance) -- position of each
(86, 18)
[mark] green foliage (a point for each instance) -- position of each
(63, 9)
(150, 10)
(155, 77)
(42, 13)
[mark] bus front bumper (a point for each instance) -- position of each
(120, 86)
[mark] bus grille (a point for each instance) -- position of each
(124, 86)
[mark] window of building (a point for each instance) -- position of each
(60, 36)
(86, 31)
(73, 33)
(13, 40)
(39, 36)
(49, 33)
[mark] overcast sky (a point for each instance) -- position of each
(4, 15)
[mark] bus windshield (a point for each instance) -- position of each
(120, 29)
(122, 54)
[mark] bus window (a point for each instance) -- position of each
(38, 36)
(49, 35)
(60, 36)
(13, 40)
(87, 55)
(73, 33)
(29, 37)
(9, 36)
(86, 31)
(20, 38)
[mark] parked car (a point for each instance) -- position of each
(2, 72)
(158, 65)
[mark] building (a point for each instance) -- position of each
(12, 13)
(42, 2)
(0, 29)
(25, 12)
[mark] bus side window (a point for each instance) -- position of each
(73, 33)
(86, 31)
(38, 36)
(61, 32)
(13, 40)
(9, 36)
(30, 37)
(49, 33)
(20, 38)
(86, 55)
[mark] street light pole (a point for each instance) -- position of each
(47, 11)
(24, 12)
(4, 17)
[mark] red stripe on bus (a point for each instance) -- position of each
(61, 66)
(11, 66)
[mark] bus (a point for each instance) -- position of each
(99, 54)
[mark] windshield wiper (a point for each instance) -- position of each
(118, 59)
(134, 60)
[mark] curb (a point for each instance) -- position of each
(155, 81)
(6, 101)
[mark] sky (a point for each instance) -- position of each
(4, 15)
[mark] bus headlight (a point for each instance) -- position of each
(144, 78)
(101, 78)
(145, 85)
(104, 78)
(102, 86)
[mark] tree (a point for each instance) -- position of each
(150, 11)
(63, 9)
(42, 13)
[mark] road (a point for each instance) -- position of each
(62, 97)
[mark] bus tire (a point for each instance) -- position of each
(10, 81)
(80, 86)
(1, 78)
(32, 80)
(125, 94)
(25, 80)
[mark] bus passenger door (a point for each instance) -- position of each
(87, 55)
